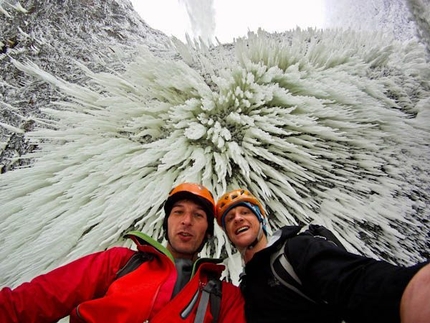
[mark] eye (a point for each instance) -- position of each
(176, 211)
(200, 214)
(246, 211)
(229, 217)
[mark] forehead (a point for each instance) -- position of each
(238, 208)
(184, 202)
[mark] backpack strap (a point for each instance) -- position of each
(133, 263)
(212, 292)
(214, 287)
(284, 272)
(281, 267)
(139, 257)
(215, 299)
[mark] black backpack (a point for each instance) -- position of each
(212, 292)
(282, 268)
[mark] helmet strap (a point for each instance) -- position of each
(254, 243)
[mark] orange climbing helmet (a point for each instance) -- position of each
(195, 192)
(235, 198)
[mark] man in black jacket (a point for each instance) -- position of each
(301, 277)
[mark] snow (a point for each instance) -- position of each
(101, 117)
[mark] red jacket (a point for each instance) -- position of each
(88, 290)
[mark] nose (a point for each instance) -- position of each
(187, 218)
(237, 216)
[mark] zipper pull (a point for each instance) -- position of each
(188, 309)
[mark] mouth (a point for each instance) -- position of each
(184, 234)
(242, 229)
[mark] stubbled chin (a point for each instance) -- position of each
(242, 240)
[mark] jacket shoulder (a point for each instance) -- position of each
(284, 234)
(232, 304)
(289, 231)
(141, 239)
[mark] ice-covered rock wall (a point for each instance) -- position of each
(54, 35)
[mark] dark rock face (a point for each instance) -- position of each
(55, 34)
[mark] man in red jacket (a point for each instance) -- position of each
(153, 284)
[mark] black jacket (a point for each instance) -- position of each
(344, 286)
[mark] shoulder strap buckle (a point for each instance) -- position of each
(211, 291)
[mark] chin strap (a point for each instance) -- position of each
(253, 244)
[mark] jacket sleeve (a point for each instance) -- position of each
(232, 304)
(362, 289)
(52, 296)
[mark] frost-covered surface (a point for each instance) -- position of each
(387, 16)
(420, 12)
(53, 34)
(326, 126)
(403, 19)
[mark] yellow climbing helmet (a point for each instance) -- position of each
(235, 198)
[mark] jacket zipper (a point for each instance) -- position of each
(188, 309)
